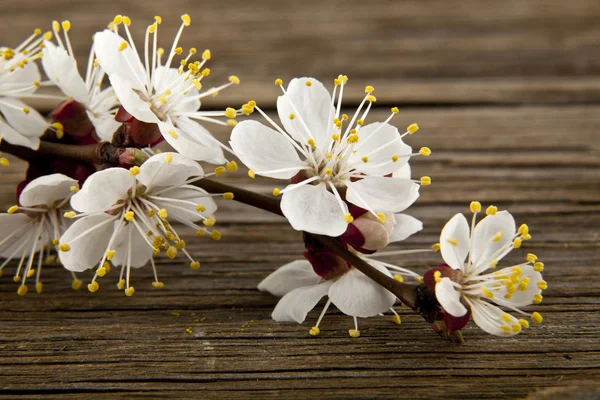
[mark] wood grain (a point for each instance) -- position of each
(462, 72)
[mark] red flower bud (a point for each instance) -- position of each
(74, 119)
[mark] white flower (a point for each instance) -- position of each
(20, 77)
(353, 293)
(331, 165)
(61, 67)
(127, 214)
(469, 288)
(154, 92)
(34, 227)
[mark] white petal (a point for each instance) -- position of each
(192, 143)
(102, 189)
(383, 194)
(314, 209)
(263, 149)
(380, 142)
(405, 227)
(449, 298)
(30, 124)
(20, 78)
(156, 172)
(13, 137)
(141, 251)
(113, 61)
(455, 229)
(520, 298)
(488, 317)
(291, 276)
(47, 190)
(358, 295)
(62, 71)
(484, 246)
(86, 252)
(131, 101)
(9, 224)
(402, 172)
(311, 105)
(186, 212)
(295, 305)
(105, 126)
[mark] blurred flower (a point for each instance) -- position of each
(462, 288)
(154, 92)
(34, 227)
(19, 77)
(126, 217)
(89, 107)
(329, 166)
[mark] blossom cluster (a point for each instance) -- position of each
(343, 176)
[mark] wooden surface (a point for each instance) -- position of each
(507, 95)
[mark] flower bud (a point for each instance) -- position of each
(137, 132)
(327, 264)
(368, 233)
(74, 119)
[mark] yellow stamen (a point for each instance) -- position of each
(314, 331)
(348, 218)
(475, 206)
(537, 317)
(412, 128)
(93, 287)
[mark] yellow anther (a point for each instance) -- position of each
(121, 284)
(195, 265)
(118, 20)
(425, 181)
(311, 142)
(308, 83)
(276, 192)
(152, 28)
(412, 128)
(74, 189)
(328, 171)
(292, 116)
(494, 264)
(517, 243)
(523, 285)
(508, 296)
(37, 31)
(232, 122)
(4, 162)
(171, 252)
(329, 156)
(228, 196)
(55, 242)
(395, 158)
(538, 266)
(381, 217)
(475, 206)
(345, 117)
(30, 273)
(398, 278)
(129, 291)
(178, 50)
(230, 112)
(353, 138)
(220, 171)
(542, 285)
(215, 235)
(16, 278)
(64, 247)
(151, 213)
(517, 271)
(337, 81)
(365, 159)
(487, 293)
(537, 317)
(26, 110)
(200, 208)
(335, 136)
(523, 229)
(511, 288)
(314, 331)
(537, 298)
(395, 110)
(76, 284)
(37, 84)
(197, 84)
(419, 279)
(134, 170)
(126, 20)
(278, 81)
(93, 287)
(425, 151)
(526, 237)
(48, 35)
(186, 19)
(506, 328)
(251, 174)
(22, 291)
(110, 254)
(397, 319)
(234, 79)
(162, 99)
(158, 19)
(180, 244)
(516, 328)
(491, 210)
(158, 285)
(354, 333)
(371, 98)
(453, 242)
(360, 122)
(497, 237)
(506, 317)
(532, 258)
(13, 209)
(206, 54)
(101, 272)
(129, 216)
(209, 221)
(123, 45)
(66, 25)
(437, 275)
(436, 247)
(369, 89)
(348, 218)
(69, 214)
(55, 26)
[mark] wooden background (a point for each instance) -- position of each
(507, 95)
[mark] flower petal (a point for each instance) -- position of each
(127, 92)
(20, 78)
(184, 212)
(314, 209)
(192, 140)
(520, 298)
(383, 194)
(105, 125)
(263, 149)
(402, 172)
(312, 109)
(295, 305)
(140, 250)
(291, 276)
(47, 190)
(449, 298)
(87, 251)
(484, 246)
(157, 172)
(10, 135)
(102, 189)
(358, 295)
(113, 61)
(455, 231)
(489, 318)
(30, 124)
(23, 228)
(62, 71)
(379, 142)
(405, 226)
